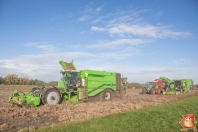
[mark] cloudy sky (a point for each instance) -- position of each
(143, 40)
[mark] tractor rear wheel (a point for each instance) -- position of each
(106, 95)
(152, 91)
(51, 96)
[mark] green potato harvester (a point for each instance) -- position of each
(74, 86)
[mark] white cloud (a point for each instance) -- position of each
(46, 66)
(143, 30)
(142, 74)
(139, 30)
(39, 65)
(97, 29)
(91, 9)
(98, 9)
(89, 12)
(102, 18)
(130, 16)
(117, 43)
(181, 61)
(83, 32)
(128, 31)
(134, 24)
(84, 18)
(117, 56)
(173, 34)
(46, 47)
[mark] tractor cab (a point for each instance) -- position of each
(71, 79)
(151, 84)
(70, 76)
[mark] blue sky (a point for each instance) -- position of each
(143, 40)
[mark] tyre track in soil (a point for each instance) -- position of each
(13, 118)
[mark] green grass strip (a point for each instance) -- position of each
(162, 118)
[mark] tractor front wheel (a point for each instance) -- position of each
(106, 95)
(51, 96)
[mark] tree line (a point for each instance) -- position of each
(13, 79)
(135, 85)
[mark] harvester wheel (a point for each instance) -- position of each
(152, 91)
(51, 96)
(106, 95)
(36, 91)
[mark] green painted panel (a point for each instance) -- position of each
(98, 81)
(61, 84)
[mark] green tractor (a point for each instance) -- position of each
(75, 86)
(150, 88)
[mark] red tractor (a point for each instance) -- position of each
(160, 85)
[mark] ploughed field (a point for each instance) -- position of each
(14, 118)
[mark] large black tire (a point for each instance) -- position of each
(152, 91)
(106, 95)
(36, 91)
(51, 96)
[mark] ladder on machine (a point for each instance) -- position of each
(86, 94)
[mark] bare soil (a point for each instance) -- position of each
(14, 118)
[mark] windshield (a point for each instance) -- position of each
(70, 78)
(178, 83)
(152, 83)
(74, 76)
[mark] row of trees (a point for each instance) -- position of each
(13, 79)
(135, 85)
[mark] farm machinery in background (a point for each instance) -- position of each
(75, 86)
(177, 86)
(163, 85)
(154, 87)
